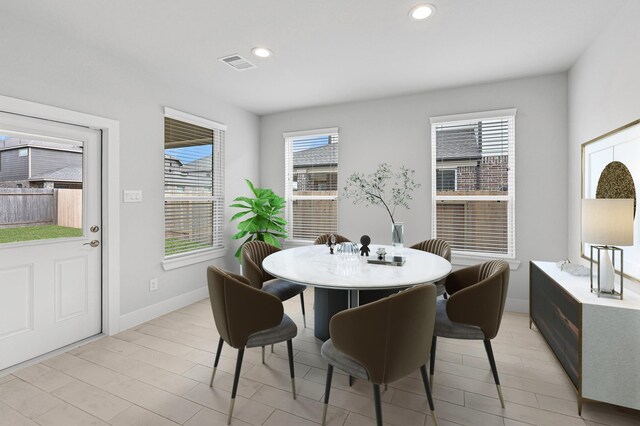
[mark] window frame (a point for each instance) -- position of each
(288, 172)
(510, 197)
(219, 247)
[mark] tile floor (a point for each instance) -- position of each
(158, 374)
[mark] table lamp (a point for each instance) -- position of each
(607, 223)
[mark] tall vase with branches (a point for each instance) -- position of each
(384, 187)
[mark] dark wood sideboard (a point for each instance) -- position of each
(596, 339)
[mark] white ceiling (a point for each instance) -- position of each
(328, 51)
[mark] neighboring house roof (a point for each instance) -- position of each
(16, 143)
(319, 156)
(173, 159)
(204, 164)
(67, 174)
(457, 144)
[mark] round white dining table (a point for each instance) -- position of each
(315, 266)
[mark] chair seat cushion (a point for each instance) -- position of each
(284, 331)
(283, 290)
(446, 328)
(338, 359)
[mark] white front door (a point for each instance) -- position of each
(50, 236)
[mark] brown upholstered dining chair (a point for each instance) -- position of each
(246, 318)
(383, 341)
(438, 247)
(474, 308)
(253, 253)
(325, 238)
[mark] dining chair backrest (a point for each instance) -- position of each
(324, 238)
(391, 337)
(435, 246)
(478, 295)
(239, 310)
(253, 253)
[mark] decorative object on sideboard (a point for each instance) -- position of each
(573, 268)
(365, 240)
(607, 223)
(381, 252)
(372, 190)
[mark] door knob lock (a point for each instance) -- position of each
(94, 228)
(92, 243)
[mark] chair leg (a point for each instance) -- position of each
(293, 378)
(445, 295)
(304, 317)
(432, 358)
(427, 389)
(376, 398)
(272, 348)
(494, 369)
(263, 355)
(236, 378)
(327, 389)
(215, 363)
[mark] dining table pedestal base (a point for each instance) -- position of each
(327, 303)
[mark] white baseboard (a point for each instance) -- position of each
(517, 305)
(150, 312)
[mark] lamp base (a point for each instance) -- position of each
(605, 284)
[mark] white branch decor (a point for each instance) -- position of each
(382, 188)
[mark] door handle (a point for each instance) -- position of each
(92, 243)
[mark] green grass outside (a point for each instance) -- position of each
(176, 246)
(42, 232)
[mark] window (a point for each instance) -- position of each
(473, 177)
(311, 183)
(445, 180)
(23, 152)
(193, 183)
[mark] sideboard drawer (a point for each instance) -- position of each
(558, 318)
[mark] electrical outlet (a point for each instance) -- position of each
(153, 284)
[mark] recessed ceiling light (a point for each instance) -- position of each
(261, 52)
(422, 11)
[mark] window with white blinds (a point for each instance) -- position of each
(311, 183)
(473, 182)
(193, 184)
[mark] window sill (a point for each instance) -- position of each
(463, 260)
(181, 261)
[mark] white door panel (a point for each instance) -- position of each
(50, 286)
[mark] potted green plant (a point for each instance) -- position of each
(262, 218)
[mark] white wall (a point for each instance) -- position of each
(397, 130)
(604, 94)
(43, 67)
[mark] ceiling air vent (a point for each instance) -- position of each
(237, 62)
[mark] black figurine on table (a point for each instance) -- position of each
(331, 243)
(365, 241)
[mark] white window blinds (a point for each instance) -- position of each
(473, 182)
(193, 184)
(311, 183)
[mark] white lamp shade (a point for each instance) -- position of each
(607, 221)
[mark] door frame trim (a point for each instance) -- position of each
(110, 194)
